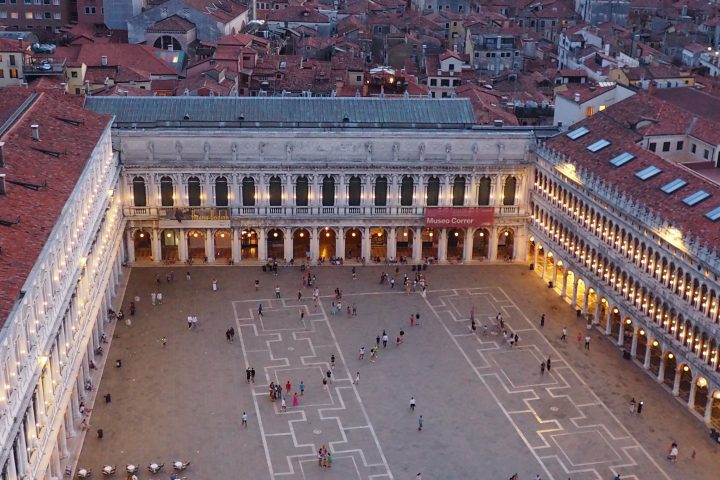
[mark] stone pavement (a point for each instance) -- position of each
(488, 411)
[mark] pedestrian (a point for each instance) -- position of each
(329, 376)
(332, 308)
(227, 335)
(354, 310)
(325, 387)
(302, 314)
(159, 298)
(277, 291)
(563, 337)
(397, 341)
(384, 339)
(632, 405)
(548, 364)
(357, 378)
(579, 337)
(232, 334)
(252, 374)
(302, 388)
(392, 283)
(288, 387)
(542, 320)
(153, 298)
(194, 321)
(673, 453)
(299, 295)
(283, 406)
(244, 419)
(296, 400)
(108, 398)
(473, 327)
(377, 340)
(640, 406)
(361, 356)
(257, 285)
(332, 361)
(412, 320)
(260, 314)
(420, 423)
(616, 477)
(417, 319)
(248, 374)
(187, 276)
(517, 338)
(190, 321)
(412, 404)
(163, 341)
(587, 342)
(542, 368)
(118, 363)
(418, 476)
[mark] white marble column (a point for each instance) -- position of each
(468, 244)
(236, 245)
(648, 353)
(314, 244)
(156, 246)
(340, 242)
(492, 244)
(708, 408)
(210, 246)
(573, 301)
(676, 383)
(262, 244)
(182, 245)
(417, 245)
(633, 346)
(365, 243)
(442, 245)
(288, 247)
(446, 192)
(691, 397)
(661, 370)
(392, 243)
(131, 247)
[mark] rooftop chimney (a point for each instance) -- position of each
(577, 98)
(2, 154)
(35, 131)
(2, 184)
(103, 60)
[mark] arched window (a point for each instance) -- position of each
(166, 192)
(433, 192)
(139, 192)
(484, 191)
(458, 191)
(275, 191)
(221, 192)
(194, 191)
(166, 42)
(406, 191)
(381, 191)
(301, 192)
(328, 191)
(509, 191)
(248, 192)
(354, 191)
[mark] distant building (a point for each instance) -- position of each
(576, 102)
(596, 12)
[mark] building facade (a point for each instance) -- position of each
(48, 15)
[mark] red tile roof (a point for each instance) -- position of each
(610, 125)
(300, 14)
(223, 10)
(13, 46)
(586, 92)
(173, 23)
(38, 211)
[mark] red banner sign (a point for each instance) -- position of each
(458, 217)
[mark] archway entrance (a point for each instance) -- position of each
(628, 332)
(248, 244)
(404, 244)
(480, 244)
(353, 244)
(378, 244)
(701, 395)
(641, 345)
(223, 244)
(196, 245)
(169, 245)
(301, 244)
(430, 238)
(670, 370)
(686, 379)
(143, 245)
(327, 243)
(506, 241)
(275, 244)
(655, 356)
(455, 244)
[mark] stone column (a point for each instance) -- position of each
(262, 244)
(314, 244)
(442, 246)
(691, 397)
(417, 245)
(586, 300)
(676, 383)
(131, 247)
(288, 200)
(553, 279)
(367, 194)
(608, 322)
(446, 199)
(340, 242)
(573, 302)
(661, 370)
(11, 468)
(468, 245)
(708, 408)
(315, 193)
(391, 242)
(236, 245)
(182, 246)
(472, 194)
(62, 441)
(596, 315)
(156, 246)
(492, 244)
(544, 264)
(563, 290)
(621, 333)
(22, 463)
(633, 347)
(210, 246)
(535, 258)
(648, 353)
(288, 244)
(366, 243)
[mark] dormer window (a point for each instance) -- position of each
(451, 67)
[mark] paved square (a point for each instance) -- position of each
(486, 406)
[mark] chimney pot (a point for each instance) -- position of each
(104, 60)
(3, 191)
(577, 98)
(35, 128)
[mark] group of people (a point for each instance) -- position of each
(276, 393)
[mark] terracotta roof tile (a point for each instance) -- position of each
(173, 23)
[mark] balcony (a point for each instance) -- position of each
(45, 67)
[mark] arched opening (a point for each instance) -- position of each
(378, 243)
(248, 192)
(432, 194)
(407, 190)
(484, 191)
(404, 236)
(302, 190)
(641, 345)
(655, 356)
(196, 245)
(223, 244)
(458, 191)
(167, 192)
(139, 192)
(328, 191)
(509, 191)
(194, 191)
(353, 243)
(275, 244)
(354, 191)
(142, 243)
(670, 370)
(221, 192)
(430, 238)
(169, 245)
(701, 395)
(381, 191)
(275, 191)
(686, 377)
(714, 411)
(249, 244)
(327, 243)
(480, 244)
(301, 244)
(455, 243)
(628, 332)
(505, 247)
(167, 42)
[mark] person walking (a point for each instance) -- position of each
(473, 327)
(252, 374)
(361, 356)
(632, 405)
(640, 406)
(563, 337)
(159, 298)
(283, 406)
(332, 361)
(260, 314)
(153, 298)
(244, 419)
(329, 376)
(163, 341)
(227, 335)
(384, 339)
(412, 404)
(548, 364)
(542, 320)
(420, 423)
(296, 400)
(587, 342)
(277, 291)
(412, 320)
(357, 378)
(542, 368)
(187, 276)
(247, 374)
(302, 388)
(232, 334)
(288, 386)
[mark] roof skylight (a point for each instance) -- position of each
(577, 133)
(648, 173)
(622, 159)
(673, 186)
(696, 198)
(714, 214)
(599, 145)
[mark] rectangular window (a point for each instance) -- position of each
(673, 186)
(444, 82)
(599, 145)
(706, 154)
(693, 149)
(622, 159)
(48, 15)
(680, 145)
(2, 73)
(57, 16)
(652, 147)
(12, 60)
(589, 112)
(13, 73)
(695, 198)
(28, 15)
(74, 74)
(648, 173)
(3, 13)
(713, 215)
(14, 15)
(577, 133)
(666, 146)
(358, 78)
